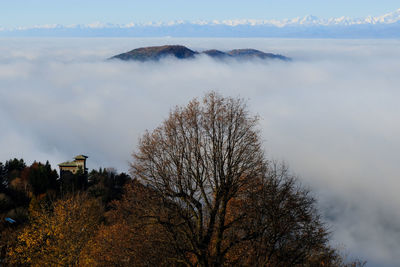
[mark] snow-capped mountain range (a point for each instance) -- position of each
(387, 25)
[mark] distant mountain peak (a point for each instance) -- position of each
(157, 53)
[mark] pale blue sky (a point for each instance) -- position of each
(38, 12)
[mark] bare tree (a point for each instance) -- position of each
(199, 158)
(281, 225)
(226, 203)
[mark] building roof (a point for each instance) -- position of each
(81, 157)
(68, 164)
(75, 163)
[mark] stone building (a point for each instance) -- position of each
(74, 166)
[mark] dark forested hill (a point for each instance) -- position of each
(154, 53)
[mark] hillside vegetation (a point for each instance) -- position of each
(154, 53)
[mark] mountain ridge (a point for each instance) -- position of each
(383, 26)
(388, 18)
(155, 53)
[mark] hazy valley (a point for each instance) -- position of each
(331, 113)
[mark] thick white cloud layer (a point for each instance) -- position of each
(332, 114)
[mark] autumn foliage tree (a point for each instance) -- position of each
(57, 234)
(130, 237)
(226, 203)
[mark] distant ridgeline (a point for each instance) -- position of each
(154, 53)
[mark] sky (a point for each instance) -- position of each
(28, 13)
(331, 114)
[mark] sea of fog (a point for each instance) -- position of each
(332, 114)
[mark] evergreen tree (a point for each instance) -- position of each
(42, 178)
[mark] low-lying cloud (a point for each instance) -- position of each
(332, 114)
